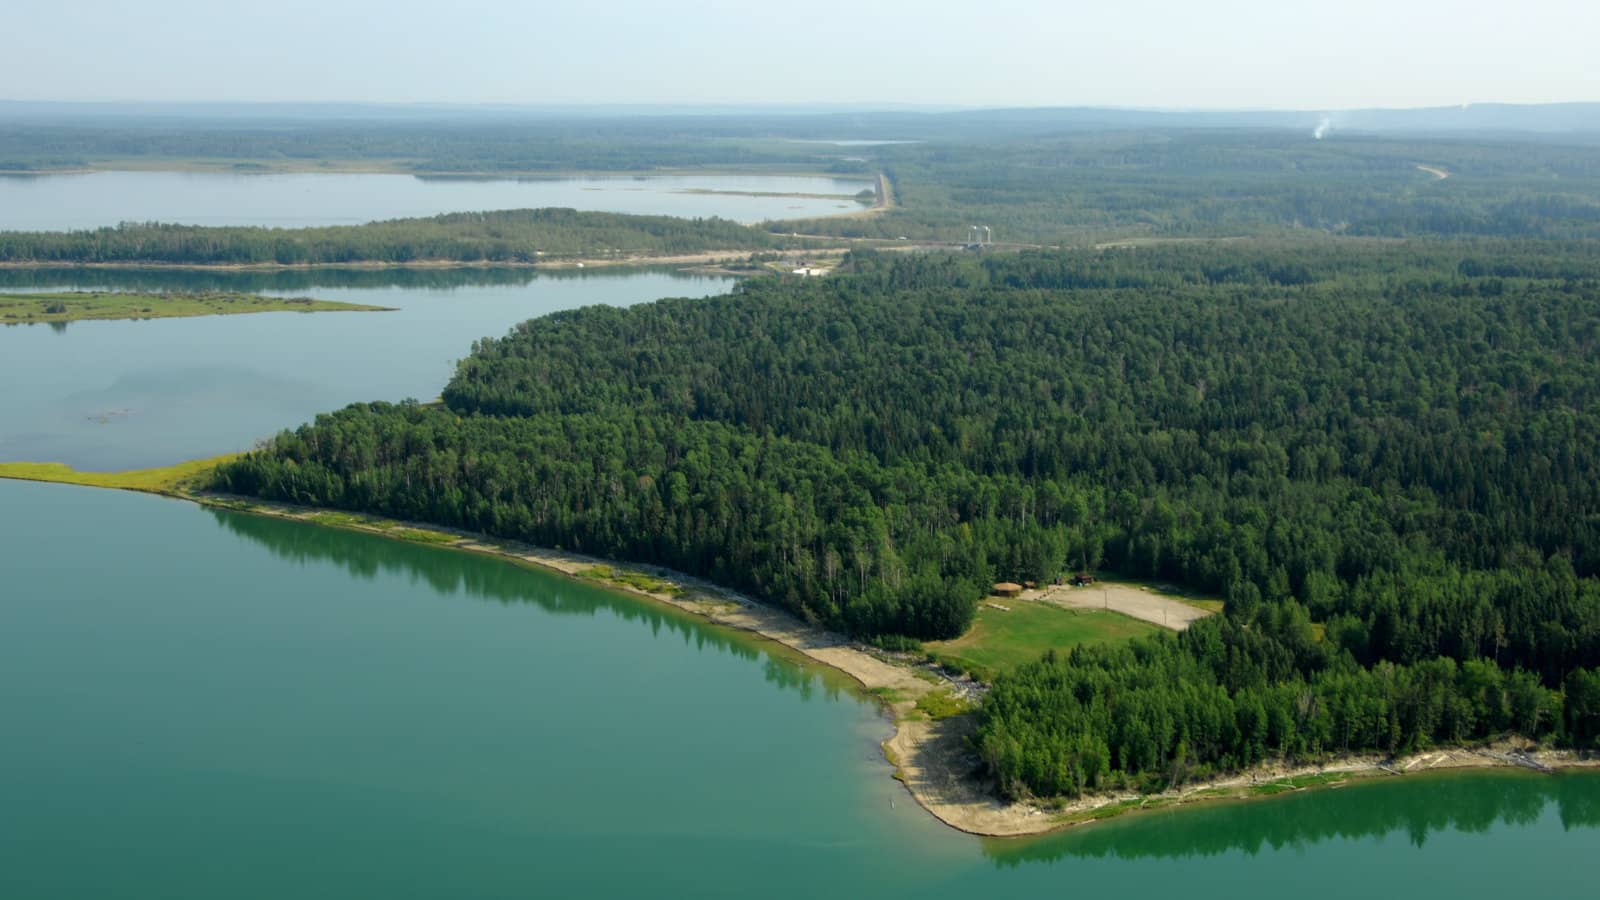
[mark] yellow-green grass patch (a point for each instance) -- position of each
(27, 309)
(357, 521)
(1002, 639)
(941, 704)
(165, 480)
(639, 581)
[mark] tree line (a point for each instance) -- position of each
(506, 236)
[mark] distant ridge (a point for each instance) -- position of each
(890, 120)
(1474, 117)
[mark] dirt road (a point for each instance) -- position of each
(1138, 602)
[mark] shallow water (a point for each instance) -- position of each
(120, 394)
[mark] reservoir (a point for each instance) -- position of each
(75, 201)
(206, 704)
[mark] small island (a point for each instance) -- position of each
(26, 309)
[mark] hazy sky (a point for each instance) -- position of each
(1327, 54)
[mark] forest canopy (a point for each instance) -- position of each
(507, 236)
(1381, 453)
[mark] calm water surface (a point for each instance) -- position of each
(204, 704)
(63, 202)
(119, 395)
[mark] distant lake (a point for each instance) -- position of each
(133, 394)
(75, 201)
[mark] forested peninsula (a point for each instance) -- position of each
(1380, 453)
(503, 237)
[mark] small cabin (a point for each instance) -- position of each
(1007, 589)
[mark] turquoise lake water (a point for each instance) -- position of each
(210, 704)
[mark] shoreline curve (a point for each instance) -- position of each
(931, 758)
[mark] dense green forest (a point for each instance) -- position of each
(1380, 452)
(256, 281)
(509, 236)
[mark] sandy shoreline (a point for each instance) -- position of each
(934, 761)
(931, 758)
(699, 597)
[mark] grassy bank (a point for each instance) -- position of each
(1001, 639)
(173, 480)
(26, 309)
